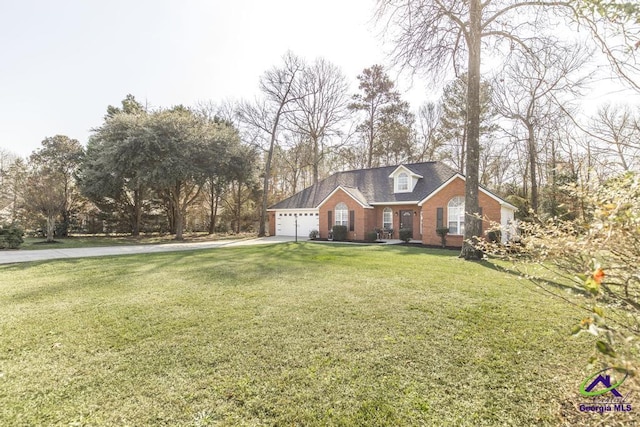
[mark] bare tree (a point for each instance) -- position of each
(7, 159)
(428, 143)
(615, 28)
(434, 35)
(13, 172)
(320, 108)
(527, 92)
(264, 117)
(617, 131)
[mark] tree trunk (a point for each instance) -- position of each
(532, 166)
(371, 137)
(262, 230)
(179, 224)
(137, 213)
(316, 160)
(473, 224)
(239, 208)
(51, 227)
(213, 208)
(554, 183)
(178, 211)
(64, 232)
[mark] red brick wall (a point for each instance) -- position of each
(363, 217)
(396, 218)
(490, 209)
(272, 223)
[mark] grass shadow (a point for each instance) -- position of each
(538, 281)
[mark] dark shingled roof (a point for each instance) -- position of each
(371, 186)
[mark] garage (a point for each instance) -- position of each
(307, 221)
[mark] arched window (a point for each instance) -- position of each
(403, 182)
(455, 214)
(342, 214)
(387, 218)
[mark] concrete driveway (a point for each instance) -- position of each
(15, 256)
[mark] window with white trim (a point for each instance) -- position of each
(455, 215)
(403, 182)
(342, 214)
(387, 218)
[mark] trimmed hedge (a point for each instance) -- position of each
(405, 235)
(339, 232)
(371, 236)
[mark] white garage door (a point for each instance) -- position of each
(286, 223)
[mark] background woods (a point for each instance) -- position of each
(511, 118)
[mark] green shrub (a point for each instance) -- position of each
(371, 236)
(11, 237)
(405, 235)
(442, 232)
(339, 232)
(314, 234)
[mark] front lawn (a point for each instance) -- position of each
(286, 334)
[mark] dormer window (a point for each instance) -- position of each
(404, 179)
(403, 182)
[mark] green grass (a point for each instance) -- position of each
(286, 334)
(88, 241)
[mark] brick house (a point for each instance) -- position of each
(420, 197)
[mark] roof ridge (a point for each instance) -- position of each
(387, 166)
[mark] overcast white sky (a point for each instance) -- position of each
(62, 62)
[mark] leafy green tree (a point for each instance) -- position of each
(113, 171)
(452, 130)
(130, 105)
(386, 124)
(44, 194)
(177, 139)
(138, 158)
(60, 157)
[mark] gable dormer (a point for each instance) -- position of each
(404, 179)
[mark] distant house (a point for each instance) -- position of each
(420, 197)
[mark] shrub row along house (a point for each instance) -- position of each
(420, 197)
